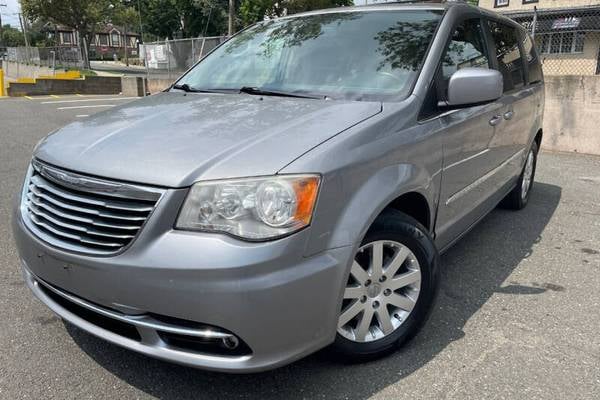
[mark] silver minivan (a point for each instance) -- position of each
(292, 191)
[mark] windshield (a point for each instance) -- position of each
(353, 55)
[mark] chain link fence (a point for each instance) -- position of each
(57, 57)
(568, 40)
(171, 58)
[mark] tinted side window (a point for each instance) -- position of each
(533, 62)
(466, 49)
(509, 58)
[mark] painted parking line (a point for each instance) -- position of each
(52, 96)
(82, 115)
(62, 96)
(87, 100)
(94, 106)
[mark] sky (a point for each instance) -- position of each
(9, 12)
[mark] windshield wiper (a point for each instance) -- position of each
(189, 89)
(264, 92)
(249, 90)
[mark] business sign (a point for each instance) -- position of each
(161, 53)
(566, 23)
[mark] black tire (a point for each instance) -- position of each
(399, 227)
(515, 200)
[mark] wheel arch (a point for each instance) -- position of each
(415, 205)
(538, 138)
(405, 187)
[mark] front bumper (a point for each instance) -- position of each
(282, 305)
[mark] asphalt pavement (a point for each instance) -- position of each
(518, 316)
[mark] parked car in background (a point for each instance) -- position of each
(290, 192)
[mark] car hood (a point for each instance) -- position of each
(173, 140)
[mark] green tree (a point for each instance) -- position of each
(37, 35)
(126, 16)
(252, 11)
(184, 18)
(296, 6)
(82, 15)
(11, 37)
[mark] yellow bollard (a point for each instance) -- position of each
(2, 92)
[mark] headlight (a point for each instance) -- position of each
(253, 208)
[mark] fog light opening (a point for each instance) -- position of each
(231, 342)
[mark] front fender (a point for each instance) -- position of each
(367, 168)
(364, 203)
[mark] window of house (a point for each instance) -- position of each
(510, 63)
(115, 39)
(103, 39)
(561, 42)
(578, 42)
(501, 3)
(66, 37)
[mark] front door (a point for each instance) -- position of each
(469, 137)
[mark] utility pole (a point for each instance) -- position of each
(231, 17)
(140, 20)
(534, 22)
(24, 29)
(1, 5)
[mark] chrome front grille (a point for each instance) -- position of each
(84, 214)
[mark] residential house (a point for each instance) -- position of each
(108, 41)
(567, 32)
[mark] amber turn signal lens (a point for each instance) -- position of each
(306, 196)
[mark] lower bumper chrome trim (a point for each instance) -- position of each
(151, 342)
(143, 321)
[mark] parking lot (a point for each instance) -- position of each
(518, 316)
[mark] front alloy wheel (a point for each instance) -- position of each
(384, 285)
(391, 287)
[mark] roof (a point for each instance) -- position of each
(49, 27)
(417, 5)
(414, 5)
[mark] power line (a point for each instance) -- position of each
(11, 18)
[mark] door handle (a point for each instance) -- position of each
(496, 120)
(508, 115)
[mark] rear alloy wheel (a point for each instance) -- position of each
(527, 175)
(390, 288)
(519, 196)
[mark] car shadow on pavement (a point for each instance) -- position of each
(473, 270)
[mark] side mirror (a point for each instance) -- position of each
(474, 85)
